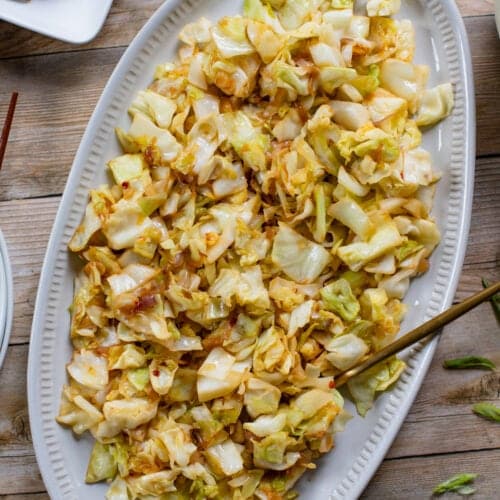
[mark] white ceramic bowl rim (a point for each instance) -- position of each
(6, 299)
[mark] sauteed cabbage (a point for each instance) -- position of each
(269, 209)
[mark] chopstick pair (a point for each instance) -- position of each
(428, 328)
(6, 126)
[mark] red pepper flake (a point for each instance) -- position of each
(125, 184)
(156, 373)
(331, 384)
(144, 302)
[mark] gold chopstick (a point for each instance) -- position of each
(422, 331)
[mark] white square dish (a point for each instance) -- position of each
(70, 21)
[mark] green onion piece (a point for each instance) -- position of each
(487, 410)
(455, 483)
(495, 300)
(469, 362)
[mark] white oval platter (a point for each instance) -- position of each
(344, 473)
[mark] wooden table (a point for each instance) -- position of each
(59, 85)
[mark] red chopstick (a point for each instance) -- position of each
(6, 126)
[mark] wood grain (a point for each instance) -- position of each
(20, 475)
(415, 478)
(15, 436)
(26, 225)
(123, 23)
(485, 49)
(476, 7)
(57, 96)
(58, 93)
(26, 496)
(59, 86)
(441, 420)
(482, 258)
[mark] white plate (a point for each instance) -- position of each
(6, 299)
(344, 473)
(73, 21)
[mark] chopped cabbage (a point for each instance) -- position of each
(331, 78)
(177, 440)
(154, 483)
(118, 490)
(266, 424)
(435, 104)
(346, 351)
(350, 115)
(270, 207)
(270, 452)
(160, 108)
(102, 464)
(77, 412)
(147, 134)
(338, 297)
(246, 287)
(272, 359)
(376, 379)
(229, 36)
(294, 12)
(404, 79)
(383, 7)
(89, 370)
(250, 144)
(219, 375)
(353, 216)
(356, 255)
(225, 458)
(126, 167)
(261, 397)
(301, 259)
(264, 39)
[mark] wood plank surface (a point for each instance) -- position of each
(59, 85)
(441, 420)
(58, 93)
(476, 7)
(415, 478)
(123, 23)
(485, 49)
(15, 436)
(20, 475)
(26, 226)
(26, 496)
